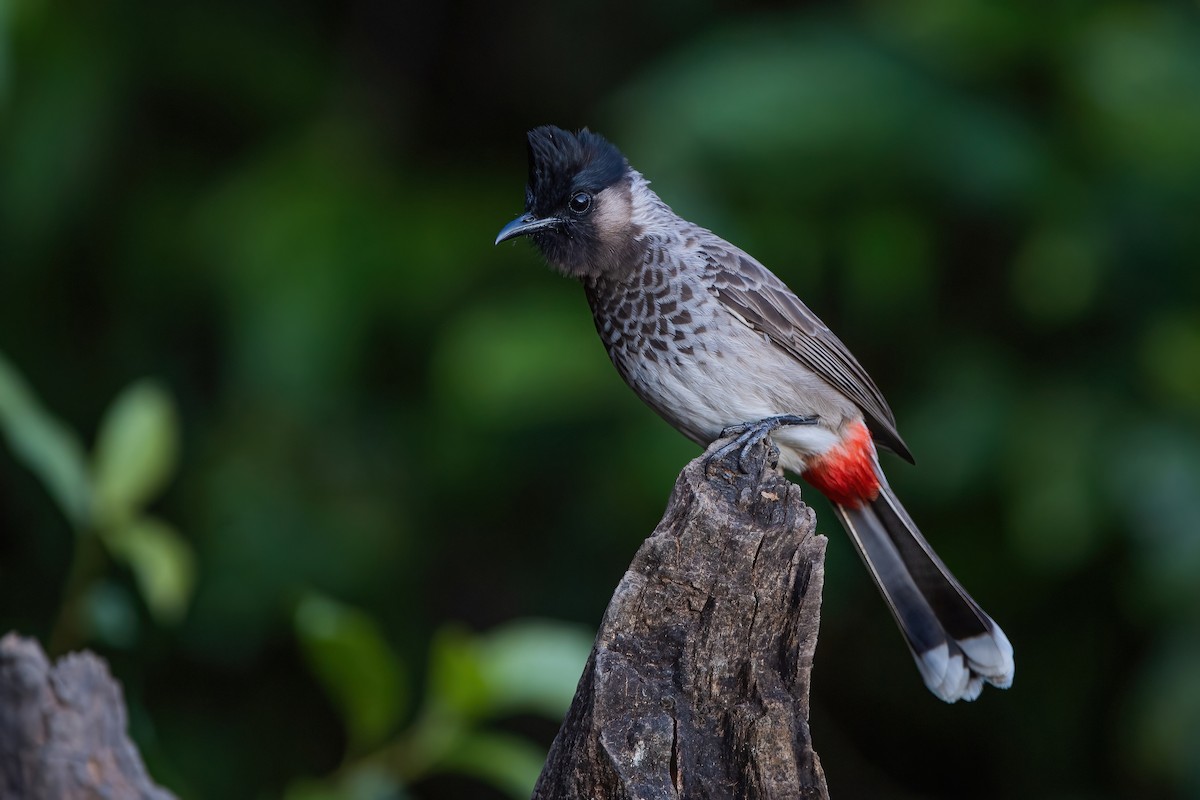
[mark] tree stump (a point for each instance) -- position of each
(62, 730)
(697, 686)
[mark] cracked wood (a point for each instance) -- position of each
(698, 683)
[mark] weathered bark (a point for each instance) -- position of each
(697, 686)
(62, 730)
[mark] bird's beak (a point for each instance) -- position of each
(525, 224)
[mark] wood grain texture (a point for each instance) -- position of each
(697, 686)
(63, 730)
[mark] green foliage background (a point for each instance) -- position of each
(341, 490)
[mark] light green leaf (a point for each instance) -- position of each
(528, 665)
(348, 653)
(44, 445)
(456, 681)
(161, 560)
(507, 762)
(136, 451)
(533, 665)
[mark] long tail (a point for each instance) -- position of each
(956, 645)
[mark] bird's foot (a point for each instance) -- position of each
(748, 434)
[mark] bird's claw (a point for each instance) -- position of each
(748, 434)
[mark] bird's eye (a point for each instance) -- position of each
(580, 203)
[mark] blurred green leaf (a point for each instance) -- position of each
(53, 148)
(889, 263)
(533, 665)
(6, 14)
(366, 782)
(136, 451)
(1052, 514)
(109, 614)
(960, 421)
(313, 790)
(520, 359)
(456, 681)
(348, 653)
(816, 108)
(1170, 352)
(963, 36)
(1165, 711)
(527, 665)
(161, 560)
(1139, 66)
(1154, 474)
(507, 762)
(43, 444)
(1057, 273)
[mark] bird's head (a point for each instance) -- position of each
(578, 208)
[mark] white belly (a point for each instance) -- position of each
(733, 375)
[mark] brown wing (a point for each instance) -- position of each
(753, 293)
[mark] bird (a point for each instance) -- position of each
(715, 343)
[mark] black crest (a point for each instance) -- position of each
(561, 162)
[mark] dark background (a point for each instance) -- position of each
(346, 488)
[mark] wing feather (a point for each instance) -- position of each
(761, 300)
